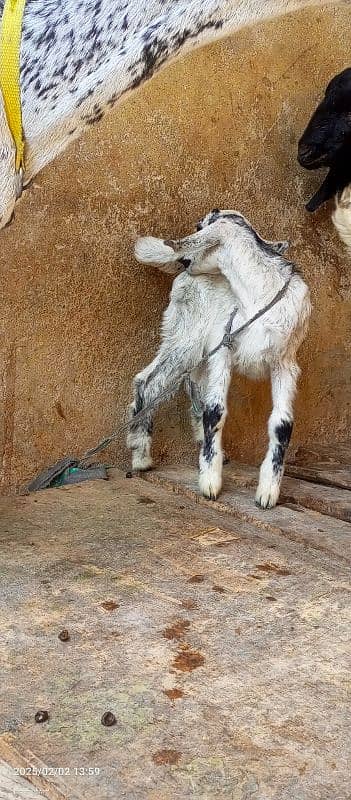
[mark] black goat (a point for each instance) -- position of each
(326, 142)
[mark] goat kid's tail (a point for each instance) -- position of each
(167, 252)
(342, 217)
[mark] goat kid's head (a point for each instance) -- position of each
(232, 228)
(204, 252)
(329, 127)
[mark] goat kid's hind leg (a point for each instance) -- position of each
(147, 385)
(195, 389)
(196, 418)
(280, 427)
(162, 375)
(214, 415)
(139, 438)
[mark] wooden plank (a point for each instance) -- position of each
(333, 502)
(324, 474)
(329, 465)
(336, 453)
(34, 786)
(14, 787)
(324, 533)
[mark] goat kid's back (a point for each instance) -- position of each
(198, 311)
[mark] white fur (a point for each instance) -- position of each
(149, 250)
(79, 59)
(342, 217)
(230, 266)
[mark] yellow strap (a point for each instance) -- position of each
(10, 46)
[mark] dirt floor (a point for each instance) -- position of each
(217, 634)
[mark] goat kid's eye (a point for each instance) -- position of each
(185, 262)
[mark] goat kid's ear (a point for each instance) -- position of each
(281, 247)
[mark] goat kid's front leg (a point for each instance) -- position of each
(280, 425)
(214, 415)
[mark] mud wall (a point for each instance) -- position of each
(79, 316)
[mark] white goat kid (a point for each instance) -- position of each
(80, 57)
(227, 265)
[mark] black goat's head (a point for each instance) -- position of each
(329, 128)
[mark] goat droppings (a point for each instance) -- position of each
(108, 719)
(41, 716)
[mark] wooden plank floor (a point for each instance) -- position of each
(297, 491)
(216, 633)
(326, 465)
(14, 787)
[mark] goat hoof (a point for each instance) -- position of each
(141, 464)
(210, 485)
(267, 497)
(263, 505)
(259, 505)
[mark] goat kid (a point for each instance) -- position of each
(227, 265)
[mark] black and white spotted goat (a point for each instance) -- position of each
(227, 265)
(80, 57)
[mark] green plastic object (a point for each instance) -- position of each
(66, 472)
(77, 475)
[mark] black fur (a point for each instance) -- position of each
(185, 262)
(326, 141)
(283, 434)
(211, 418)
(146, 423)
